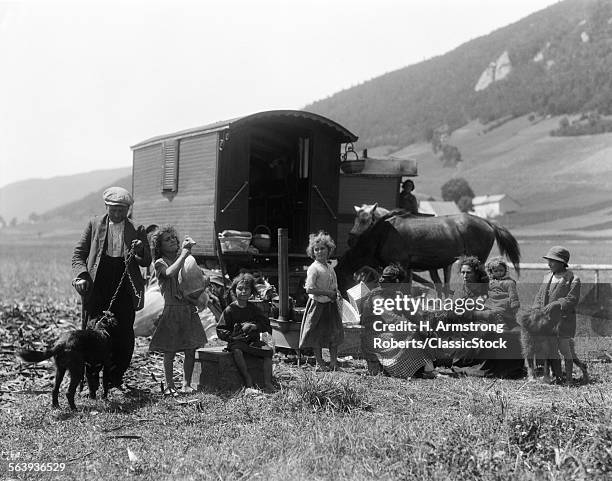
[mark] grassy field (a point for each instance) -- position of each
(316, 426)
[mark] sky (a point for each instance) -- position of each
(80, 82)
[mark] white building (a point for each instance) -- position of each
(438, 208)
(490, 206)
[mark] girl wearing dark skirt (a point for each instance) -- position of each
(241, 325)
(321, 324)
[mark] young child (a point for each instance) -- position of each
(558, 297)
(179, 327)
(503, 295)
(321, 324)
(240, 325)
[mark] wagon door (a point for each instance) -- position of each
(324, 175)
(233, 181)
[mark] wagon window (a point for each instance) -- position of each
(304, 153)
(170, 166)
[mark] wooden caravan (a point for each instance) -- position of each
(275, 169)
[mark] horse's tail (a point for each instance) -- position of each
(508, 246)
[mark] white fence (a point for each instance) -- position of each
(596, 268)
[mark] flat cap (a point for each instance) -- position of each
(117, 196)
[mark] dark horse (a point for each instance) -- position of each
(425, 243)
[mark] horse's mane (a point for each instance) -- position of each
(396, 213)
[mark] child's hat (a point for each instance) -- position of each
(117, 196)
(558, 253)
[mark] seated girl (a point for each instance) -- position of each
(240, 325)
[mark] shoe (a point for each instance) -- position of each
(252, 390)
(170, 392)
(188, 390)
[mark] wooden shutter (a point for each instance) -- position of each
(170, 166)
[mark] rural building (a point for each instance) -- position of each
(490, 206)
(438, 208)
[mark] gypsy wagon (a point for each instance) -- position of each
(276, 169)
(269, 170)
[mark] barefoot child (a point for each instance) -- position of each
(558, 297)
(240, 325)
(179, 327)
(503, 295)
(321, 324)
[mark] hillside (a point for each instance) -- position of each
(554, 61)
(82, 209)
(20, 199)
(562, 183)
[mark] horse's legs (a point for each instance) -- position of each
(409, 277)
(433, 273)
(447, 279)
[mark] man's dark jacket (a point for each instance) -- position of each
(89, 250)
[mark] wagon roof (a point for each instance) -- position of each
(343, 134)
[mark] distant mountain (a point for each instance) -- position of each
(555, 61)
(88, 206)
(20, 199)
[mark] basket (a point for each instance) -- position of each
(263, 241)
(235, 243)
(352, 166)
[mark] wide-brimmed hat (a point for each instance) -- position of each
(117, 196)
(558, 253)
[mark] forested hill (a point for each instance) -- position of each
(555, 61)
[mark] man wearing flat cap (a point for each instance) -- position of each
(98, 266)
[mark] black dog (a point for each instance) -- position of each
(73, 351)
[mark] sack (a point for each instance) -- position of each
(191, 280)
(146, 319)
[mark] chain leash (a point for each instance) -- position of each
(129, 258)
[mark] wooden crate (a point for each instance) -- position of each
(214, 368)
(287, 335)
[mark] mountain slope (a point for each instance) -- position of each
(559, 62)
(21, 198)
(567, 178)
(85, 207)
